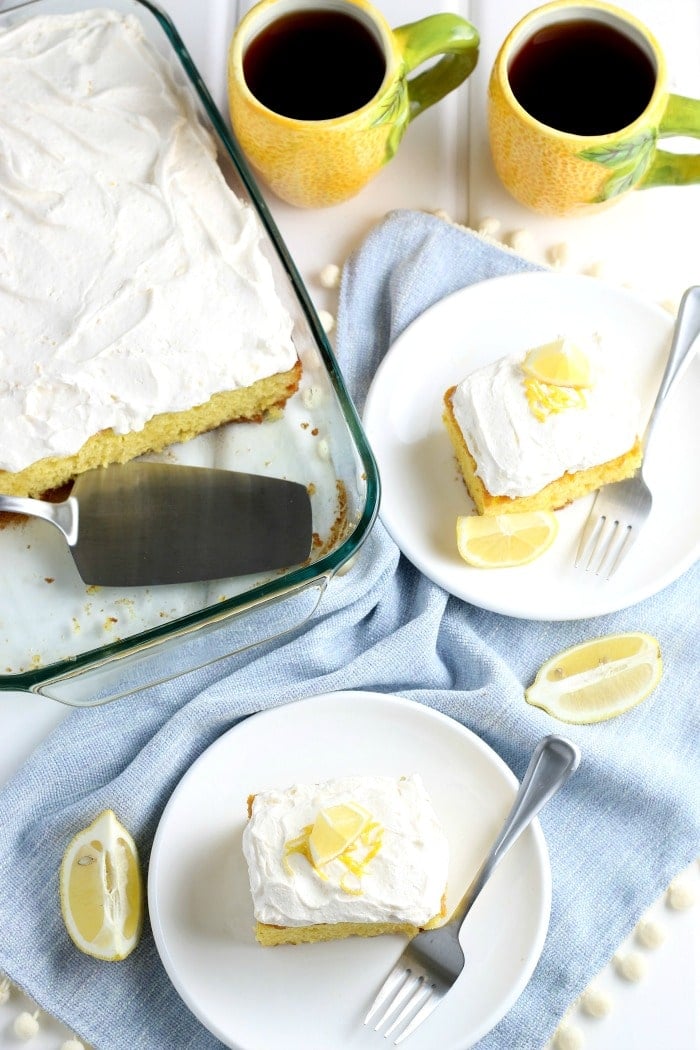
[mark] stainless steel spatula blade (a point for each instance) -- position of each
(143, 524)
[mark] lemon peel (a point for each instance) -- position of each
(505, 540)
(101, 889)
(598, 679)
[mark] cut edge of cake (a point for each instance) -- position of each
(262, 399)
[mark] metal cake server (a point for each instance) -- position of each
(144, 523)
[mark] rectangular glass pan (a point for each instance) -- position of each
(85, 645)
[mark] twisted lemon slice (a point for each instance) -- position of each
(559, 363)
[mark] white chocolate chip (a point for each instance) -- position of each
(323, 449)
(558, 254)
(522, 241)
(631, 966)
(72, 1044)
(680, 895)
(596, 269)
(568, 1037)
(347, 566)
(312, 396)
(5, 988)
(489, 227)
(327, 320)
(329, 276)
(595, 1001)
(26, 1025)
(649, 933)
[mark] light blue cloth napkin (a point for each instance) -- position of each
(623, 827)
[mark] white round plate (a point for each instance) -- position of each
(423, 492)
(314, 997)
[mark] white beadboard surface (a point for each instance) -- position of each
(650, 241)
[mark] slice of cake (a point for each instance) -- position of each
(138, 306)
(353, 856)
(535, 431)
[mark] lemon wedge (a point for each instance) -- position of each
(599, 679)
(101, 889)
(505, 540)
(334, 829)
(560, 363)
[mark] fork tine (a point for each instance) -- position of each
(593, 521)
(421, 1006)
(626, 540)
(420, 991)
(407, 991)
(394, 983)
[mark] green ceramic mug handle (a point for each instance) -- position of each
(448, 35)
(681, 117)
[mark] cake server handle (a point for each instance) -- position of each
(63, 515)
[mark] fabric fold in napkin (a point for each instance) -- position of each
(623, 827)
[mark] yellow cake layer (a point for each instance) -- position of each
(249, 404)
(554, 495)
(269, 936)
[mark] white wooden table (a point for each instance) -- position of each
(650, 241)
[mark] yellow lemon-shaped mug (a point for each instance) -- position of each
(577, 101)
(320, 93)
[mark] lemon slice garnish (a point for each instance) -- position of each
(599, 679)
(505, 540)
(101, 889)
(560, 363)
(334, 830)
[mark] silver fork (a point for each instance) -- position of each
(619, 510)
(431, 963)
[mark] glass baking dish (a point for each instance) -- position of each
(87, 645)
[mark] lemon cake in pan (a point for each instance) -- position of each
(535, 431)
(354, 856)
(138, 306)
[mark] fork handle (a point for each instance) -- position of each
(553, 761)
(686, 332)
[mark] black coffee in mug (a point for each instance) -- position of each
(583, 77)
(314, 65)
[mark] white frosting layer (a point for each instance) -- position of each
(405, 882)
(132, 280)
(516, 454)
